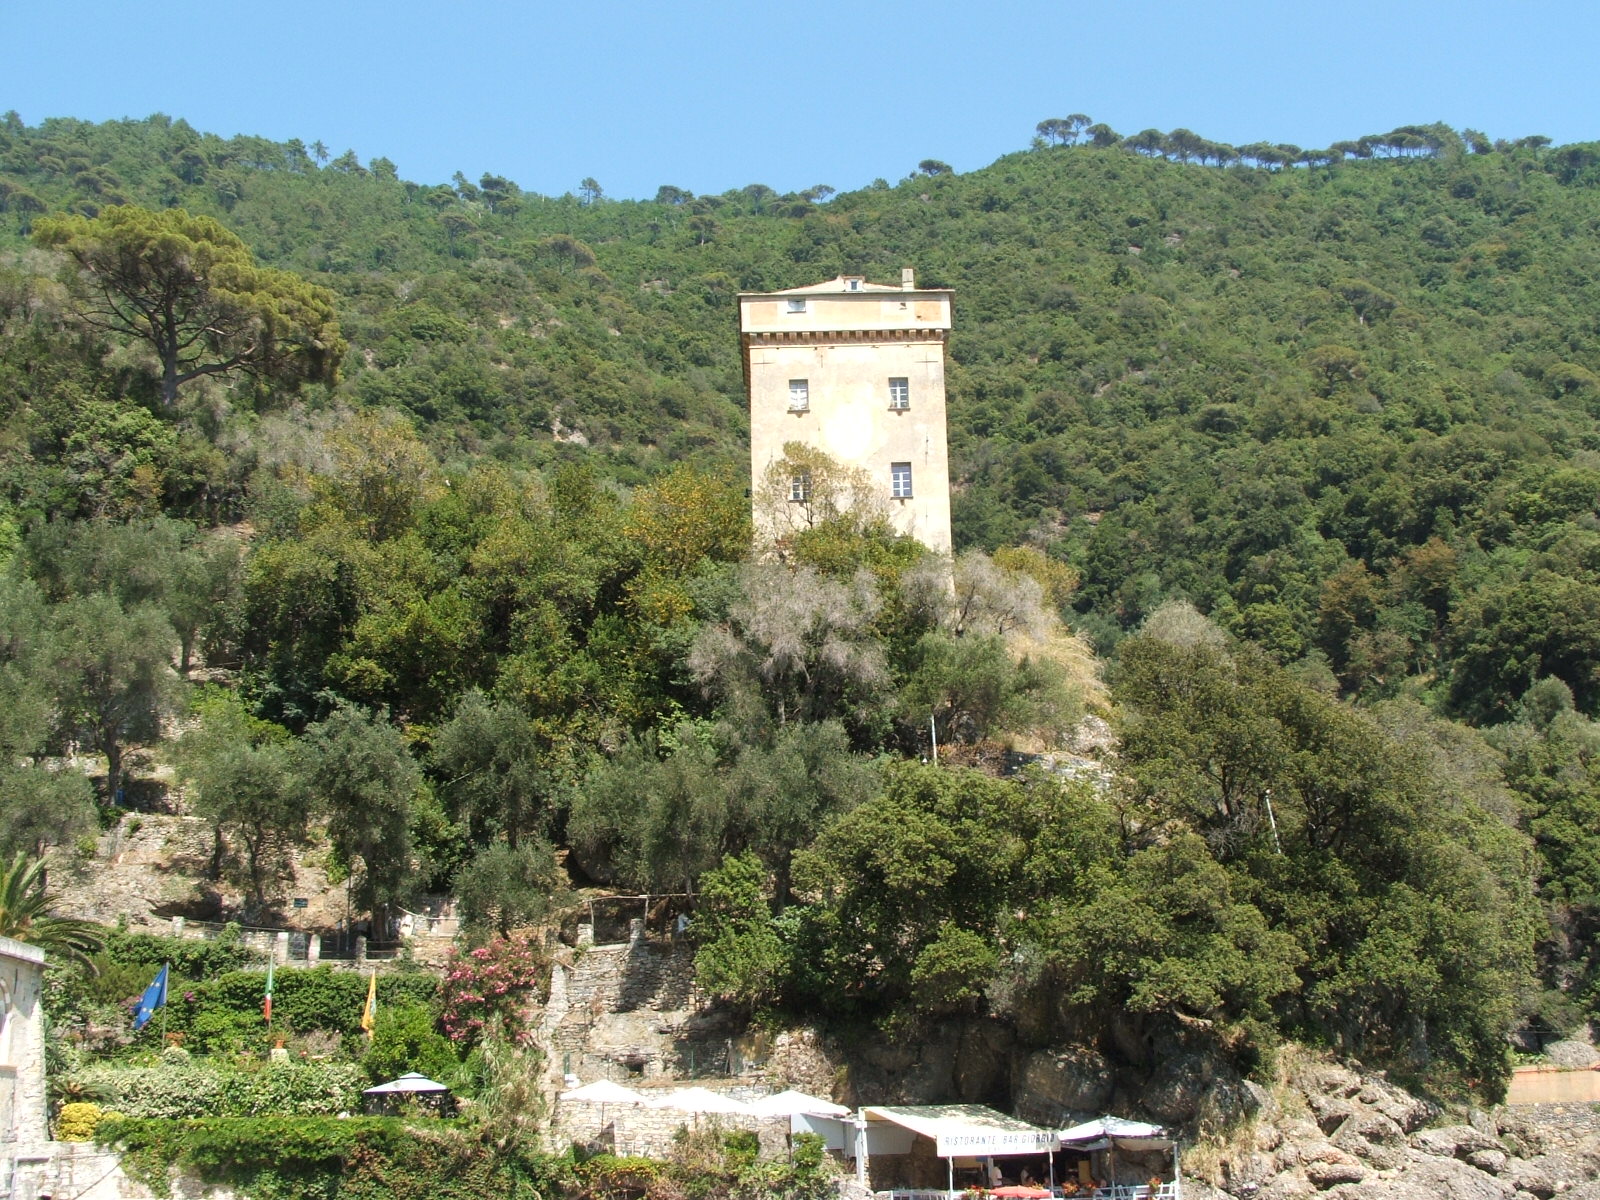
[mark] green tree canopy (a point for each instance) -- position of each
(506, 887)
(114, 674)
(41, 803)
(244, 779)
(740, 957)
(191, 290)
(494, 769)
(362, 775)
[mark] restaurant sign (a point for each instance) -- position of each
(979, 1141)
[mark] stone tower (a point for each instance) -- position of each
(854, 370)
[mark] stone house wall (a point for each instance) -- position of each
(652, 1132)
(23, 1112)
(79, 1171)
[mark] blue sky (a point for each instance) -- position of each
(709, 95)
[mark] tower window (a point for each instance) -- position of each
(852, 285)
(797, 306)
(799, 395)
(800, 487)
(899, 392)
(900, 480)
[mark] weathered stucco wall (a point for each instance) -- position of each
(847, 346)
(23, 1116)
(1541, 1085)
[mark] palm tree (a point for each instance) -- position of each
(24, 905)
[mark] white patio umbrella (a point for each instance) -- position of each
(1109, 1133)
(408, 1083)
(792, 1103)
(411, 1084)
(699, 1100)
(603, 1091)
(1112, 1127)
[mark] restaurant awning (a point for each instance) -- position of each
(958, 1129)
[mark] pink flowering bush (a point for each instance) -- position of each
(506, 978)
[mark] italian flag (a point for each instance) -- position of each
(266, 1000)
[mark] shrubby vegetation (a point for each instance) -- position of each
(1305, 441)
(190, 1091)
(307, 1157)
(1273, 863)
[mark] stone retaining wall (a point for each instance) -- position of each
(1552, 1126)
(147, 863)
(652, 1132)
(80, 1171)
(630, 1013)
(619, 1012)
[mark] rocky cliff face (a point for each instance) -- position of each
(1329, 1130)
(1325, 1129)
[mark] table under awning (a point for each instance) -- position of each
(413, 1086)
(1118, 1133)
(956, 1130)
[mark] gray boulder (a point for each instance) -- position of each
(1428, 1179)
(1330, 1174)
(1076, 1079)
(1373, 1138)
(1572, 1054)
(1496, 1162)
(1405, 1110)
(1176, 1090)
(1316, 1077)
(1453, 1141)
(1330, 1111)
(1292, 1185)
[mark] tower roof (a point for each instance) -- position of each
(839, 284)
(845, 285)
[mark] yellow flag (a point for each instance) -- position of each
(369, 1012)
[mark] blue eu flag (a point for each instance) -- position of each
(154, 997)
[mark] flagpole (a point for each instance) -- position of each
(266, 1001)
(165, 988)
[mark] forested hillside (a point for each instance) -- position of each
(453, 517)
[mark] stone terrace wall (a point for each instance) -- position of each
(143, 869)
(151, 870)
(619, 1012)
(652, 1132)
(630, 1013)
(1550, 1126)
